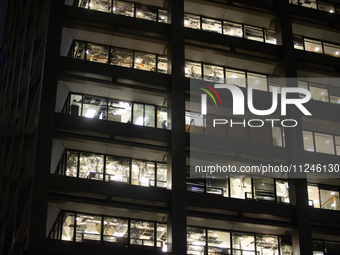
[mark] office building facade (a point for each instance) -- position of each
(96, 124)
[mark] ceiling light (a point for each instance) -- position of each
(114, 8)
(327, 141)
(137, 60)
(332, 193)
(331, 11)
(322, 93)
(198, 243)
(337, 53)
(90, 4)
(138, 13)
(186, 22)
(306, 138)
(162, 17)
(317, 48)
(90, 113)
(310, 190)
(315, 201)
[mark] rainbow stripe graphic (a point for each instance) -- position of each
(209, 93)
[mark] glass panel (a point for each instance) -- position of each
(94, 107)
(308, 3)
(212, 25)
(146, 12)
(142, 233)
(79, 50)
(196, 240)
(218, 186)
(162, 64)
(308, 141)
(192, 21)
(162, 175)
(257, 81)
(162, 16)
(264, 189)
(194, 184)
(101, 5)
(253, 33)
(149, 119)
(313, 196)
(162, 118)
(332, 247)
(145, 61)
(115, 230)
(218, 242)
(317, 247)
(235, 77)
(138, 114)
(193, 70)
(97, 53)
(286, 247)
(334, 95)
(243, 241)
(232, 29)
(337, 144)
(194, 122)
(162, 237)
(143, 173)
(277, 136)
(117, 169)
(72, 163)
(121, 57)
(91, 166)
(267, 244)
(76, 102)
(240, 187)
(213, 73)
(88, 228)
(325, 6)
(68, 227)
(324, 143)
(270, 36)
(331, 49)
(319, 93)
(329, 199)
(119, 111)
(313, 46)
(83, 4)
(282, 191)
(123, 8)
(298, 42)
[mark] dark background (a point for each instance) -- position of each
(3, 10)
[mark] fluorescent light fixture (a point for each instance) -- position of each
(333, 193)
(186, 22)
(198, 243)
(90, 113)
(337, 53)
(118, 234)
(223, 245)
(139, 121)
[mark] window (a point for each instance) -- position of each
(278, 136)
(332, 247)
(213, 73)
(94, 107)
(143, 173)
(217, 186)
(100, 5)
(267, 244)
(145, 61)
(72, 163)
(318, 247)
(270, 36)
(115, 230)
(142, 233)
(121, 57)
(162, 237)
(88, 227)
(144, 115)
(331, 49)
(240, 187)
(195, 184)
(162, 118)
(162, 16)
(119, 111)
(146, 12)
(232, 29)
(243, 242)
(79, 50)
(162, 64)
(192, 21)
(329, 199)
(337, 144)
(117, 169)
(196, 240)
(123, 8)
(324, 143)
(313, 46)
(218, 242)
(193, 70)
(308, 141)
(257, 81)
(194, 122)
(67, 227)
(326, 6)
(319, 93)
(162, 175)
(253, 33)
(264, 189)
(298, 42)
(97, 53)
(211, 25)
(91, 166)
(286, 247)
(313, 196)
(235, 77)
(282, 191)
(334, 95)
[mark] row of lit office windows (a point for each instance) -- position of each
(119, 57)
(124, 8)
(312, 45)
(202, 241)
(195, 123)
(325, 198)
(322, 247)
(229, 28)
(116, 110)
(320, 142)
(118, 231)
(102, 167)
(319, 5)
(328, 94)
